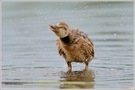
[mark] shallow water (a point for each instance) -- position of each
(30, 57)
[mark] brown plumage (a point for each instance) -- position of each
(73, 45)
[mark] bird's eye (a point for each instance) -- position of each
(65, 28)
(62, 28)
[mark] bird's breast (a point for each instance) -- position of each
(74, 54)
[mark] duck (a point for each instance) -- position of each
(74, 45)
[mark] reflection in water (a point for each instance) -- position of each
(77, 79)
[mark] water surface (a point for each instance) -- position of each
(30, 56)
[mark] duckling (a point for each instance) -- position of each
(73, 45)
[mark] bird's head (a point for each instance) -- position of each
(61, 29)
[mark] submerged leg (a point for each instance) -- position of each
(69, 66)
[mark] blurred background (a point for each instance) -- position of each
(30, 56)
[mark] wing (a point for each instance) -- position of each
(61, 52)
(87, 45)
(59, 47)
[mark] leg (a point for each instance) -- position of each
(86, 67)
(69, 66)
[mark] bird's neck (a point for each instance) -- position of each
(66, 40)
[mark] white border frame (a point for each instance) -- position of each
(1, 1)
